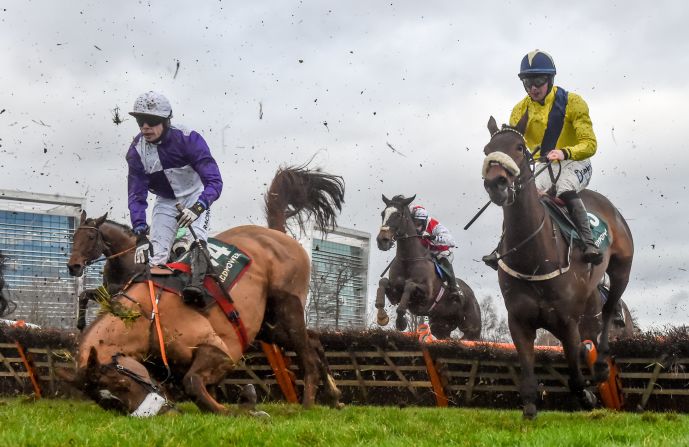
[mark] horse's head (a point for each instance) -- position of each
(506, 158)
(396, 221)
(123, 385)
(87, 245)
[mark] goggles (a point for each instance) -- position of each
(151, 120)
(535, 81)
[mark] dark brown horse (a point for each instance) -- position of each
(96, 238)
(413, 283)
(270, 298)
(7, 306)
(543, 282)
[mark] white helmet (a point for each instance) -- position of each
(152, 103)
(419, 213)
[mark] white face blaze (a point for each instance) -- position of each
(387, 213)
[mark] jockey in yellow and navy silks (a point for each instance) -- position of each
(437, 238)
(559, 130)
(177, 167)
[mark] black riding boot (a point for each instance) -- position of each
(193, 292)
(451, 280)
(577, 212)
(491, 260)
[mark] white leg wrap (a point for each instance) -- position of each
(150, 406)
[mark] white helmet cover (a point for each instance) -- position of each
(419, 212)
(152, 103)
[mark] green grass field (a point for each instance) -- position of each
(75, 423)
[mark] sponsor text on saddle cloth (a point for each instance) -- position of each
(229, 264)
(599, 228)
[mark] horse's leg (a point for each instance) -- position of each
(209, 367)
(523, 337)
(571, 342)
(86, 295)
(383, 286)
(401, 322)
(440, 327)
(618, 270)
(332, 392)
(289, 313)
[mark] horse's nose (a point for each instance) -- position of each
(498, 182)
(75, 269)
(383, 242)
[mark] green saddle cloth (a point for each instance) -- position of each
(599, 227)
(229, 262)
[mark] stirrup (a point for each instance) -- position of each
(491, 260)
(192, 294)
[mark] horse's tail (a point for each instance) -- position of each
(303, 193)
(7, 306)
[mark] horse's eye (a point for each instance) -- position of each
(92, 238)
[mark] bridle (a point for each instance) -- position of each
(102, 245)
(398, 235)
(515, 189)
(518, 185)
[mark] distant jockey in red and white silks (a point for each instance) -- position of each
(438, 239)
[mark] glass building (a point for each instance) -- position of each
(339, 278)
(36, 238)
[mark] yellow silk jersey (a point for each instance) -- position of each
(577, 140)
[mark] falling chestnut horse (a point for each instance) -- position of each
(545, 282)
(202, 347)
(413, 283)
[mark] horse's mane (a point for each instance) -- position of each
(125, 228)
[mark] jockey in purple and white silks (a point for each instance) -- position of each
(177, 167)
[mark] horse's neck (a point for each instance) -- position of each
(523, 220)
(116, 239)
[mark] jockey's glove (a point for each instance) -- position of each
(188, 215)
(144, 249)
(427, 235)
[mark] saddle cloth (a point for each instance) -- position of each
(599, 227)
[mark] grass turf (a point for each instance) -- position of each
(70, 422)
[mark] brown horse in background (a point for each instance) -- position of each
(544, 284)
(413, 283)
(202, 347)
(7, 306)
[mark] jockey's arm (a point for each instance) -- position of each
(206, 167)
(137, 186)
(578, 113)
(442, 236)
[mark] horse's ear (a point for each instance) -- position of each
(521, 125)
(82, 218)
(406, 202)
(100, 220)
(492, 125)
(386, 200)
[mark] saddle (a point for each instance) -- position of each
(558, 213)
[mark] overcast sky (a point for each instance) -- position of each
(421, 76)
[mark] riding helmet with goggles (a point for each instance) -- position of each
(151, 108)
(537, 63)
(420, 215)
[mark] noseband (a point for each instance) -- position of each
(154, 400)
(516, 187)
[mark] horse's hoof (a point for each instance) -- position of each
(401, 323)
(259, 414)
(588, 400)
(383, 318)
(529, 412)
(338, 406)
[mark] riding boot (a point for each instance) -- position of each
(577, 212)
(193, 292)
(491, 260)
(451, 280)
